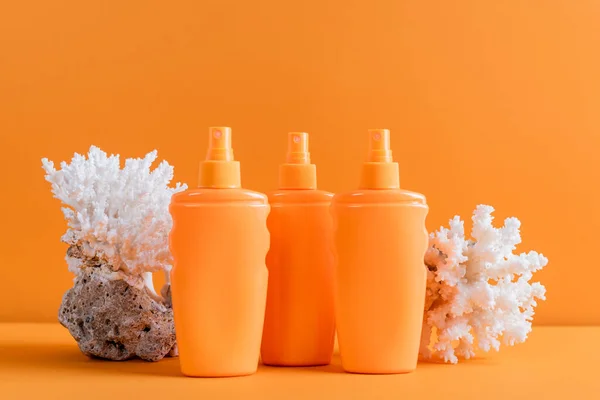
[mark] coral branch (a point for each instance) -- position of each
(479, 294)
(117, 216)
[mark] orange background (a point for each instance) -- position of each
(487, 102)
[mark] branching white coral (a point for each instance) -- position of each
(118, 216)
(479, 293)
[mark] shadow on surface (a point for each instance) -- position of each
(29, 357)
(335, 367)
(474, 361)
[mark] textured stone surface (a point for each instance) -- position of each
(116, 321)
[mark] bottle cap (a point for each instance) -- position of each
(219, 170)
(297, 172)
(380, 171)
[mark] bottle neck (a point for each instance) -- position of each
(219, 174)
(297, 176)
(380, 175)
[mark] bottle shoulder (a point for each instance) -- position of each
(300, 196)
(374, 196)
(211, 195)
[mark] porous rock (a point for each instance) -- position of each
(113, 320)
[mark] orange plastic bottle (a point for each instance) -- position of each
(380, 241)
(219, 242)
(300, 320)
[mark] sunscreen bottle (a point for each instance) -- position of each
(380, 240)
(219, 242)
(299, 322)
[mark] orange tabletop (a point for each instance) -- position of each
(42, 361)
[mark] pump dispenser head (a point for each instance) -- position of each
(380, 171)
(297, 172)
(219, 170)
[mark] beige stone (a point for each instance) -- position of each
(112, 320)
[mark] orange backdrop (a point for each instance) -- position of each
(488, 102)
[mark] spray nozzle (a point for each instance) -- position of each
(297, 152)
(219, 144)
(297, 172)
(379, 146)
(380, 171)
(219, 170)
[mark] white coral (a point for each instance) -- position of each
(479, 293)
(119, 216)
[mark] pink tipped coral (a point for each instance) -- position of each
(479, 293)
